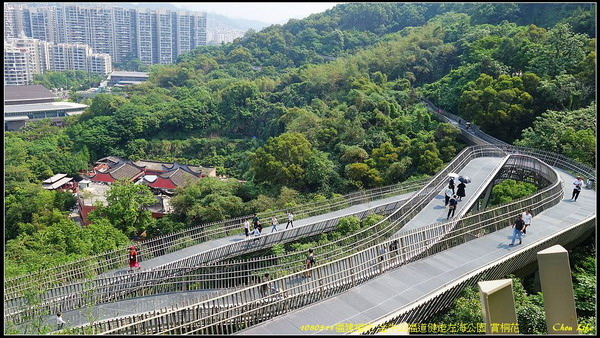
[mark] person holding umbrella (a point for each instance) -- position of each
(460, 192)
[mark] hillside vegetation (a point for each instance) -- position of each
(313, 108)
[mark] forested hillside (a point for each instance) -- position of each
(313, 108)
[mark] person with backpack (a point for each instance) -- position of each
(255, 221)
(309, 262)
(518, 227)
(452, 206)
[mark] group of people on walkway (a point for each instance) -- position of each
(257, 231)
(452, 198)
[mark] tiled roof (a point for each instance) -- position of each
(150, 165)
(125, 171)
(180, 177)
(113, 159)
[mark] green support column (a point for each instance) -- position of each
(498, 305)
(557, 288)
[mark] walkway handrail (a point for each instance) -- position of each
(248, 306)
(401, 215)
(161, 245)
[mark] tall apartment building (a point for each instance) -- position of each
(144, 24)
(124, 42)
(17, 69)
(153, 36)
(37, 52)
(42, 23)
(25, 57)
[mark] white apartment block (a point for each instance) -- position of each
(183, 32)
(145, 22)
(37, 52)
(124, 37)
(152, 36)
(163, 37)
(24, 57)
(100, 63)
(17, 70)
(42, 23)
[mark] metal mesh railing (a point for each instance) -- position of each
(85, 268)
(58, 298)
(243, 308)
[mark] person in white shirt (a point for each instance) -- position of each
(578, 184)
(527, 217)
(247, 228)
(290, 220)
(59, 321)
(449, 192)
(275, 223)
(256, 234)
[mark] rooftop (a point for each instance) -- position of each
(20, 93)
(24, 108)
(54, 178)
(57, 184)
(123, 73)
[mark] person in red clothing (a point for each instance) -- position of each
(133, 259)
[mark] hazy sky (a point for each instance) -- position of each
(268, 12)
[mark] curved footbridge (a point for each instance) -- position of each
(405, 277)
(426, 285)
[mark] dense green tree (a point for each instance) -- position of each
(499, 105)
(207, 200)
(126, 207)
(560, 53)
(572, 133)
(68, 80)
(283, 160)
(509, 190)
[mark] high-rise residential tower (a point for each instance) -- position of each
(152, 36)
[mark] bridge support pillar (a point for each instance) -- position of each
(498, 305)
(557, 288)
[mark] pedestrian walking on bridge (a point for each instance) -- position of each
(274, 223)
(449, 192)
(59, 321)
(578, 184)
(247, 228)
(527, 218)
(133, 259)
(452, 206)
(518, 227)
(460, 191)
(290, 220)
(309, 263)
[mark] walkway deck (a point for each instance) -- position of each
(208, 245)
(144, 304)
(478, 170)
(400, 287)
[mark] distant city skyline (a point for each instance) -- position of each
(267, 12)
